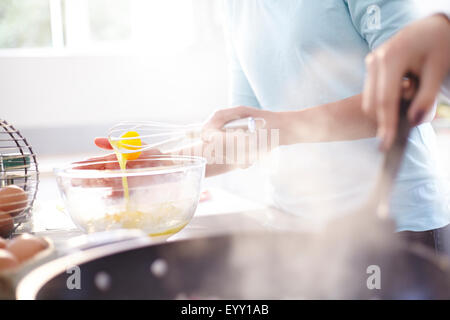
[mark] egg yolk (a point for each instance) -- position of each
(130, 144)
(122, 158)
(131, 218)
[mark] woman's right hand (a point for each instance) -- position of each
(213, 146)
(238, 149)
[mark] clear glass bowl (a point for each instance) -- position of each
(157, 195)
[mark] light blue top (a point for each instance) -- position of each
(293, 54)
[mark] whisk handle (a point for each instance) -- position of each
(247, 124)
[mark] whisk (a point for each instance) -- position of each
(168, 137)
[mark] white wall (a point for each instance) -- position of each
(60, 100)
(65, 89)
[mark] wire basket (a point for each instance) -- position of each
(18, 167)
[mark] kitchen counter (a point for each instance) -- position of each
(222, 213)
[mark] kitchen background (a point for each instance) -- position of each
(70, 69)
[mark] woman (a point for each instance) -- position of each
(299, 64)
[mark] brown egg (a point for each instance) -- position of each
(13, 200)
(6, 224)
(7, 260)
(3, 243)
(26, 246)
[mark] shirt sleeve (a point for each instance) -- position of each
(240, 91)
(378, 20)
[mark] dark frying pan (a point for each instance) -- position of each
(356, 257)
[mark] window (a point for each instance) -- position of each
(91, 24)
(109, 20)
(25, 24)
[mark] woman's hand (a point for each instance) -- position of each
(422, 48)
(217, 121)
(238, 148)
(224, 150)
(109, 162)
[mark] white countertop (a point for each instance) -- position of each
(224, 212)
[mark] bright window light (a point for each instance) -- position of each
(155, 26)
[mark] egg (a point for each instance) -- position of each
(7, 260)
(3, 243)
(26, 246)
(6, 224)
(130, 144)
(13, 200)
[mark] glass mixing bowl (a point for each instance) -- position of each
(157, 195)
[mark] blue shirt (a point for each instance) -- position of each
(294, 54)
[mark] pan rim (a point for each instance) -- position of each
(29, 286)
